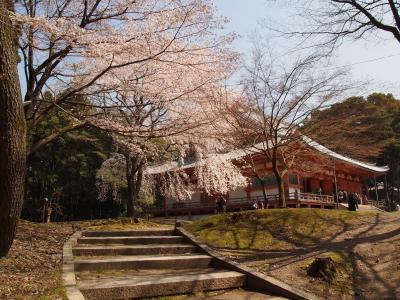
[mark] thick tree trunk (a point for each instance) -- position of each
(281, 185)
(137, 186)
(130, 177)
(12, 135)
(263, 189)
(282, 193)
(134, 176)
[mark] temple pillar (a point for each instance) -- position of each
(327, 187)
(314, 184)
(286, 185)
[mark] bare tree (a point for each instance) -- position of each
(334, 20)
(12, 134)
(277, 99)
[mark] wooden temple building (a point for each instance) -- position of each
(313, 182)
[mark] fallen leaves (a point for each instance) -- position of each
(32, 268)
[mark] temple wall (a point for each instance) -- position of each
(196, 197)
(259, 193)
(238, 193)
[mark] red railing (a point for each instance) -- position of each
(315, 198)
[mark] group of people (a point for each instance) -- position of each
(220, 203)
(352, 199)
(257, 204)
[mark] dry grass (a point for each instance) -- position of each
(119, 224)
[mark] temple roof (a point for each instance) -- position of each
(345, 159)
(238, 153)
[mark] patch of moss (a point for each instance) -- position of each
(57, 292)
(344, 271)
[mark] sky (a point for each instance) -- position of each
(376, 61)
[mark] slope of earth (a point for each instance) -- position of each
(283, 242)
(32, 269)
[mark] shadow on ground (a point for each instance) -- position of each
(282, 243)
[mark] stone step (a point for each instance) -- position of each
(238, 294)
(109, 274)
(96, 250)
(159, 285)
(131, 240)
(143, 262)
(160, 232)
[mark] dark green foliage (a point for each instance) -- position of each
(364, 128)
(64, 171)
(358, 127)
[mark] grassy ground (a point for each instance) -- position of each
(283, 243)
(275, 229)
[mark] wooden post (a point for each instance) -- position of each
(336, 200)
(386, 192)
(376, 189)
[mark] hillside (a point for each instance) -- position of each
(282, 243)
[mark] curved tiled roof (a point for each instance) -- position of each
(345, 159)
(237, 153)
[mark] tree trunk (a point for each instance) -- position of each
(12, 135)
(282, 193)
(281, 185)
(137, 186)
(130, 177)
(134, 176)
(263, 189)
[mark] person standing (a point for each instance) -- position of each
(345, 196)
(318, 191)
(221, 204)
(340, 196)
(353, 202)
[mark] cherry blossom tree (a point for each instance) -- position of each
(145, 132)
(89, 47)
(168, 55)
(164, 50)
(213, 174)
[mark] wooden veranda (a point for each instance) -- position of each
(295, 200)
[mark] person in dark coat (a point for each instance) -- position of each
(353, 202)
(221, 204)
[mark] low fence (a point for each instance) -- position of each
(244, 203)
(378, 204)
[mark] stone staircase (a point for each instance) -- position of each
(146, 263)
